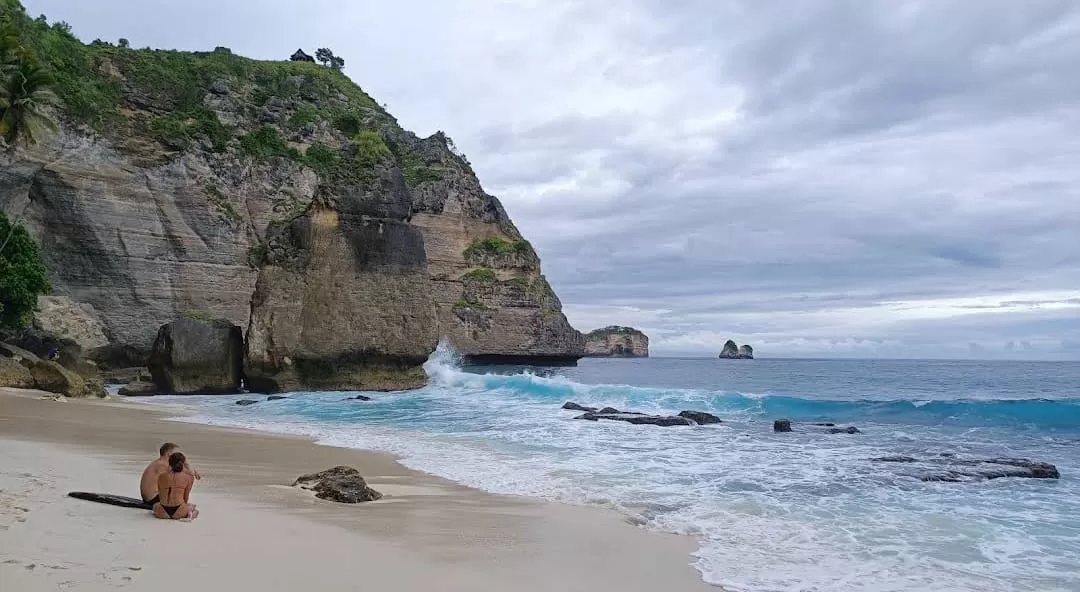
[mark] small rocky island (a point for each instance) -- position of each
(732, 351)
(616, 342)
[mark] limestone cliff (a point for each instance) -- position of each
(616, 342)
(279, 196)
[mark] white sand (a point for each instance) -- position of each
(256, 533)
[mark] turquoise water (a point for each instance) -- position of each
(797, 511)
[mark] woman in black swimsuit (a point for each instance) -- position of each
(174, 487)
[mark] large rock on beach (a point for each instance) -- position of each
(949, 468)
(54, 378)
(198, 357)
(15, 375)
(339, 484)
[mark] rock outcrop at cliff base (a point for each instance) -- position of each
(278, 196)
(616, 342)
(198, 357)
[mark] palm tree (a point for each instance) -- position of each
(24, 96)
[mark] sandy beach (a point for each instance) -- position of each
(258, 533)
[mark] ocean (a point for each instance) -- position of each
(799, 511)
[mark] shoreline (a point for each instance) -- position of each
(428, 532)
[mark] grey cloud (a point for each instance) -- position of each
(780, 172)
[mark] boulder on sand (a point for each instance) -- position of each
(54, 378)
(198, 357)
(15, 375)
(339, 484)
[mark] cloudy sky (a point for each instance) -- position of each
(818, 178)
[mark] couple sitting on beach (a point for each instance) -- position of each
(167, 482)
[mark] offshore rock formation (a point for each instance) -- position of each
(732, 351)
(617, 342)
(278, 196)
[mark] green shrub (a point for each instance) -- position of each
(181, 130)
(482, 274)
(197, 315)
(495, 245)
(370, 148)
(265, 143)
(305, 115)
(258, 254)
(463, 303)
(323, 159)
(417, 172)
(23, 276)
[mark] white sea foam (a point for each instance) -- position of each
(773, 511)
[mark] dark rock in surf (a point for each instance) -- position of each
(276, 397)
(640, 419)
(357, 398)
(782, 425)
(339, 484)
(950, 469)
(700, 417)
(824, 425)
(245, 402)
(572, 406)
(847, 430)
(609, 410)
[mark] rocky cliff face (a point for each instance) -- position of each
(617, 342)
(279, 196)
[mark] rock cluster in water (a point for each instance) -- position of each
(732, 351)
(685, 418)
(952, 469)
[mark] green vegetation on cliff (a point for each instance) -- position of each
(223, 103)
(613, 330)
(482, 274)
(494, 245)
(23, 276)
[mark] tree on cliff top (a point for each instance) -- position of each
(25, 86)
(22, 276)
(327, 58)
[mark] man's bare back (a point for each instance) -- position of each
(148, 485)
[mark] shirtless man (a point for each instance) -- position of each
(148, 487)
